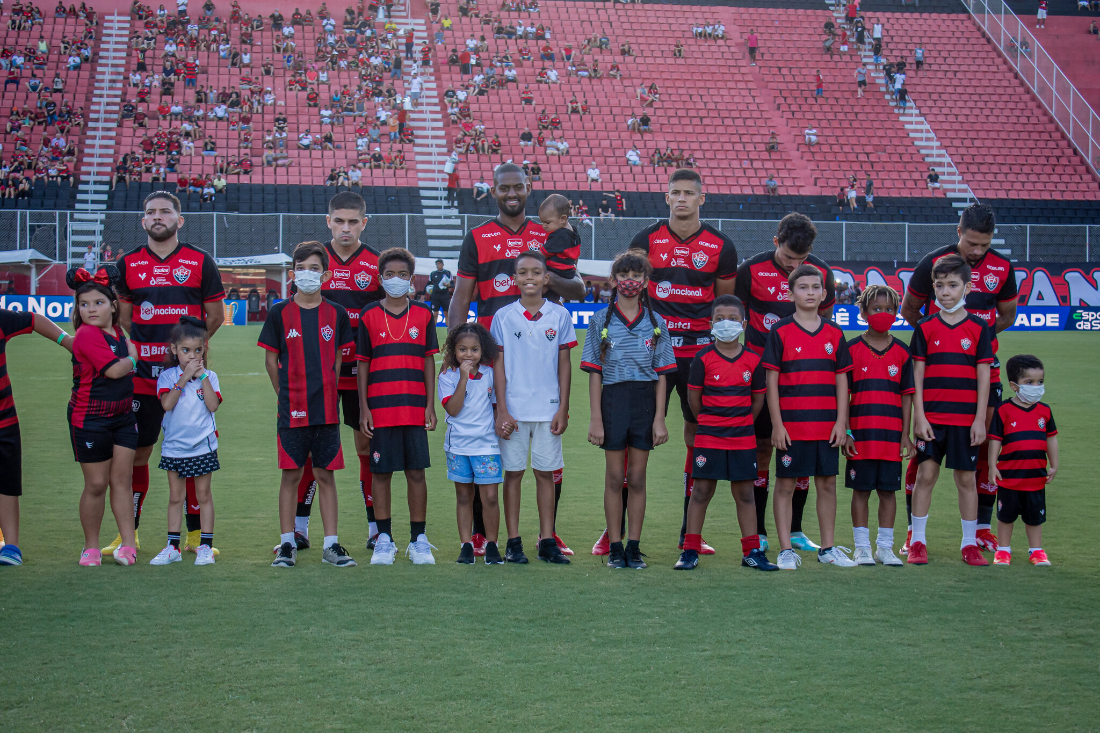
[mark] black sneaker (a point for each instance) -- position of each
(513, 552)
(492, 554)
(371, 541)
(466, 554)
(758, 561)
(286, 556)
(616, 557)
(634, 557)
(301, 541)
(551, 553)
(689, 560)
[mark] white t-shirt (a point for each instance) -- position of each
(189, 428)
(530, 347)
(473, 431)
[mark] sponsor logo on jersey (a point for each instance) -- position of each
(770, 319)
(362, 280)
(159, 281)
(502, 282)
(293, 334)
(966, 344)
(677, 341)
(162, 270)
(665, 289)
(512, 253)
(893, 369)
(182, 275)
(681, 251)
(708, 245)
(679, 262)
(147, 311)
(414, 332)
(149, 351)
(297, 413)
(189, 262)
(327, 333)
(660, 241)
(341, 274)
(699, 259)
(515, 244)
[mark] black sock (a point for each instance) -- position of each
(798, 505)
(370, 514)
(684, 524)
(557, 498)
(985, 508)
(479, 520)
(760, 494)
(174, 539)
(632, 544)
(622, 524)
(194, 523)
(616, 546)
(206, 538)
(137, 520)
(416, 529)
(514, 541)
(385, 527)
(909, 509)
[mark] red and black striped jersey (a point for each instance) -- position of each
(808, 363)
(951, 354)
(354, 284)
(685, 271)
(394, 348)
(762, 287)
(992, 281)
(876, 383)
(488, 257)
(308, 342)
(12, 324)
(162, 290)
(727, 385)
(98, 401)
(562, 250)
(1023, 433)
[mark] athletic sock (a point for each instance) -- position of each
(861, 536)
(986, 502)
(970, 528)
(750, 543)
(191, 508)
(684, 524)
(416, 529)
(1004, 548)
(307, 490)
(301, 526)
(616, 547)
(693, 542)
(206, 538)
(557, 496)
(174, 539)
(760, 494)
(910, 482)
(286, 537)
(1033, 549)
(632, 544)
(885, 537)
(919, 525)
(689, 482)
(909, 510)
(384, 527)
(798, 503)
(140, 487)
(330, 540)
(479, 520)
(622, 524)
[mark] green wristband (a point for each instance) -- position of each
(61, 337)
(850, 434)
(133, 361)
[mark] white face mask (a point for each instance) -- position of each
(395, 287)
(726, 331)
(308, 281)
(1030, 393)
(945, 309)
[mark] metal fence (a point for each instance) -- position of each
(246, 235)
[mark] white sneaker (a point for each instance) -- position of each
(204, 555)
(886, 556)
(384, 551)
(863, 556)
(788, 560)
(836, 556)
(420, 552)
(167, 556)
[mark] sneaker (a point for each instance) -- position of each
(466, 554)
(1002, 557)
(634, 557)
(689, 560)
(420, 552)
(204, 555)
(10, 555)
(492, 554)
(513, 552)
(384, 550)
(764, 542)
(479, 542)
(757, 560)
(167, 556)
(301, 541)
(835, 555)
(908, 541)
(286, 557)
(125, 555)
(863, 556)
(706, 549)
(194, 542)
(335, 554)
(788, 560)
(111, 547)
(800, 541)
(561, 545)
(549, 552)
(616, 557)
(986, 540)
(972, 555)
(371, 542)
(603, 545)
(918, 554)
(1039, 558)
(91, 557)
(886, 556)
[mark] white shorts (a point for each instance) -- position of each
(1042, 14)
(544, 446)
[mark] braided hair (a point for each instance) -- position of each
(873, 292)
(632, 260)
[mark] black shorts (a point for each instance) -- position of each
(11, 461)
(349, 404)
(807, 458)
(996, 395)
(95, 445)
(861, 83)
(716, 464)
(628, 412)
(763, 423)
(679, 379)
(873, 475)
(319, 442)
(149, 414)
(400, 448)
(952, 441)
(1031, 506)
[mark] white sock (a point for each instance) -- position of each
(885, 537)
(372, 529)
(919, 524)
(330, 540)
(286, 537)
(862, 536)
(985, 526)
(970, 528)
(1004, 548)
(301, 525)
(1033, 549)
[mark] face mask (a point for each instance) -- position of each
(881, 322)
(630, 288)
(945, 309)
(395, 287)
(1030, 393)
(308, 281)
(726, 331)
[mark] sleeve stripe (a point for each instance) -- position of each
(664, 369)
(446, 399)
(212, 298)
(569, 345)
(590, 365)
(266, 346)
(465, 276)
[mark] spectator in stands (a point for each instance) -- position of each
(841, 198)
(851, 194)
(593, 173)
(810, 135)
(634, 156)
(861, 79)
(918, 53)
(305, 140)
(773, 143)
(933, 178)
(209, 147)
(643, 122)
(903, 96)
(772, 185)
(73, 64)
(481, 190)
(753, 42)
(819, 85)
(843, 293)
(876, 52)
(620, 203)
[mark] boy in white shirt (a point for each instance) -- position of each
(531, 381)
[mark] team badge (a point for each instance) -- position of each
(136, 405)
(700, 461)
(1000, 506)
(893, 369)
(852, 474)
(1042, 423)
(991, 282)
(414, 332)
(199, 393)
(550, 334)
(828, 348)
(327, 332)
(920, 445)
(747, 376)
(376, 456)
(965, 343)
(699, 259)
(649, 344)
(182, 274)
(362, 280)
(787, 460)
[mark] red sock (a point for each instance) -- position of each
(802, 484)
(693, 542)
(982, 477)
(365, 479)
(763, 478)
(140, 487)
(689, 482)
(307, 481)
(192, 499)
(750, 543)
(911, 476)
(557, 475)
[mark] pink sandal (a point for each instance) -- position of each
(91, 557)
(125, 555)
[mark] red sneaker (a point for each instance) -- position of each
(561, 545)
(918, 554)
(479, 542)
(707, 549)
(1000, 557)
(603, 545)
(908, 540)
(1039, 557)
(972, 555)
(986, 540)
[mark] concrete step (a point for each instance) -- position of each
(445, 233)
(444, 222)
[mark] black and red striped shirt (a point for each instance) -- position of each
(951, 354)
(308, 342)
(727, 386)
(685, 272)
(162, 290)
(12, 324)
(354, 284)
(808, 363)
(394, 349)
(488, 257)
(876, 383)
(98, 401)
(1023, 433)
(562, 250)
(762, 287)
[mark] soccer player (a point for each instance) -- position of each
(952, 355)
(397, 344)
(305, 337)
(992, 298)
(807, 359)
(762, 287)
(486, 266)
(693, 263)
(161, 281)
(1021, 441)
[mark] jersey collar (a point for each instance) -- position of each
(354, 255)
(675, 236)
(173, 253)
(509, 230)
(619, 314)
(538, 314)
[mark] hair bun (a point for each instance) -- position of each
(192, 321)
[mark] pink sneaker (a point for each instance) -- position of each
(603, 545)
(1039, 557)
(91, 557)
(125, 555)
(561, 545)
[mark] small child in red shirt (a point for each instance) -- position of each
(563, 246)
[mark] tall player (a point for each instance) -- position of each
(992, 298)
(762, 287)
(693, 263)
(486, 266)
(158, 283)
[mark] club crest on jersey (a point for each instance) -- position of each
(787, 461)
(550, 334)
(649, 345)
(991, 282)
(747, 376)
(362, 280)
(199, 393)
(893, 370)
(375, 456)
(700, 461)
(326, 333)
(414, 332)
(828, 348)
(181, 274)
(966, 344)
(699, 259)
(1042, 423)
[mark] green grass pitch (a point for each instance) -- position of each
(242, 646)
